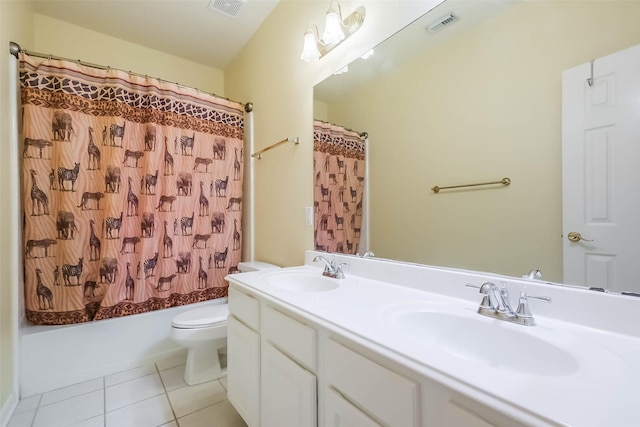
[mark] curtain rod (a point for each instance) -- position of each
(15, 49)
(363, 134)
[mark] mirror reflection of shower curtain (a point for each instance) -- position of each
(339, 170)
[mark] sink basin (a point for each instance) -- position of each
(486, 342)
(300, 281)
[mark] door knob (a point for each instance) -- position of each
(574, 236)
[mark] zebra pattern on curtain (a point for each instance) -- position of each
(339, 183)
(132, 192)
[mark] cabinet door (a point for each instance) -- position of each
(389, 397)
(243, 370)
(288, 391)
(338, 412)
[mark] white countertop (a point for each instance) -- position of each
(597, 386)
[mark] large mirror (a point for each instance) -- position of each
(480, 100)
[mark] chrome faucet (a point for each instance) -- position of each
(495, 303)
(534, 274)
(332, 268)
(368, 254)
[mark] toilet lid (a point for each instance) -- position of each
(203, 316)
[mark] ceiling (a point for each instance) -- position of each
(188, 29)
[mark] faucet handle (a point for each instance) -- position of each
(523, 313)
(338, 269)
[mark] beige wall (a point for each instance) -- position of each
(70, 41)
(15, 25)
(269, 73)
(320, 110)
(486, 105)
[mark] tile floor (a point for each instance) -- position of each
(153, 395)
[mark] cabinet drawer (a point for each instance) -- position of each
(295, 339)
(386, 396)
(245, 308)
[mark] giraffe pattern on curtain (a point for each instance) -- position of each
(339, 183)
(132, 192)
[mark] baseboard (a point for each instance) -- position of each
(7, 409)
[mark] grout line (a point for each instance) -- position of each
(166, 394)
(62, 388)
(35, 413)
(207, 406)
(104, 401)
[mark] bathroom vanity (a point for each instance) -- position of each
(399, 344)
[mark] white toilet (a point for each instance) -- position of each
(203, 331)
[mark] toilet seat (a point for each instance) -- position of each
(201, 317)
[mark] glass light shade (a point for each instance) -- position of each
(342, 70)
(310, 50)
(368, 54)
(333, 33)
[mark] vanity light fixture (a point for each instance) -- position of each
(367, 54)
(337, 30)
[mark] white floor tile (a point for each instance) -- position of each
(189, 399)
(70, 411)
(123, 394)
(171, 424)
(72, 391)
(27, 404)
(172, 362)
(92, 422)
(23, 419)
(173, 378)
(222, 414)
(130, 374)
(152, 412)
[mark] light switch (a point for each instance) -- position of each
(308, 213)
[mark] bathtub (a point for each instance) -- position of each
(57, 356)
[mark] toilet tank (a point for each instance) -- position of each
(247, 266)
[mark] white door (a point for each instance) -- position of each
(601, 172)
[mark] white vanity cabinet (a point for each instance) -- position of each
(271, 364)
(381, 393)
(289, 396)
(243, 361)
(339, 412)
(289, 354)
(286, 370)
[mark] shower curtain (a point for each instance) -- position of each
(132, 192)
(339, 187)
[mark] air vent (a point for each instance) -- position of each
(445, 21)
(227, 7)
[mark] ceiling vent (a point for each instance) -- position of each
(445, 21)
(227, 7)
